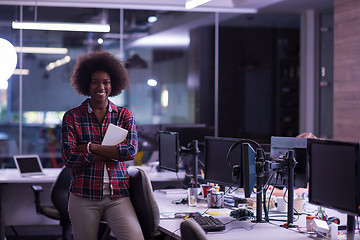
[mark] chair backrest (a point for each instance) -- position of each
(60, 193)
(145, 205)
(191, 230)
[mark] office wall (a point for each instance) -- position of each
(347, 70)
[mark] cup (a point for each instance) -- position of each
(205, 189)
(299, 204)
(215, 200)
(281, 204)
(192, 196)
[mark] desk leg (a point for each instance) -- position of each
(2, 223)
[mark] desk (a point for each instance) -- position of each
(164, 178)
(234, 230)
(17, 205)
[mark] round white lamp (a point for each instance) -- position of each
(8, 60)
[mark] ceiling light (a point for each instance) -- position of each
(58, 63)
(42, 50)
(21, 71)
(100, 41)
(164, 40)
(152, 82)
(57, 26)
(194, 3)
(152, 19)
(165, 98)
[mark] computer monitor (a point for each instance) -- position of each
(168, 150)
(148, 136)
(189, 132)
(249, 169)
(334, 175)
(217, 169)
(280, 147)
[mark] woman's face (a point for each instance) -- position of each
(100, 86)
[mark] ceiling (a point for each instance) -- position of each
(178, 5)
(173, 18)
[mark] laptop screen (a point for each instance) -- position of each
(28, 164)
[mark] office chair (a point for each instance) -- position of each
(191, 230)
(59, 197)
(145, 205)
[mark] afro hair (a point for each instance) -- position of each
(87, 64)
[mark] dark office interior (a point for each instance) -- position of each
(274, 72)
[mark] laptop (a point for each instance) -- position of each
(29, 165)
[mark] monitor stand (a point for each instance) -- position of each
(350, 227)
(194, 151)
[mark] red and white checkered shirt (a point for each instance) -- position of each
(80, 126)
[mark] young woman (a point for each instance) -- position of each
(100, 182)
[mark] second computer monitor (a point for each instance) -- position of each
(230, 162)
(217, 169)
(334, 175)
(280, 147)
(168, 150)
(248, 169)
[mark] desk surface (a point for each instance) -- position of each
(12, 175)
(245, 229)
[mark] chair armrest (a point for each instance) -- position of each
(37, 189)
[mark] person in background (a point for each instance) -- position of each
(306, 135)
(299, 192)
(100, 182)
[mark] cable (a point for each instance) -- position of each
(271, 194)
(222, 232)
(239, 142)
(173, 233)
(234, 145)
(266, 184)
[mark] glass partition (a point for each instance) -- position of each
(171, 60)
(164, 79)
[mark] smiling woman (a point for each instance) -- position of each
(100, 181)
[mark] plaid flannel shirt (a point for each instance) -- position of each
(80, 126)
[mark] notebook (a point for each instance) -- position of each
(29, 165)
(114, 135)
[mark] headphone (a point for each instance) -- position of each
(242, 214)
(236, 169)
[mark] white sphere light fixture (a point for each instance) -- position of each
(8, 60)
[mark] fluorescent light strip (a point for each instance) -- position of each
(58, 63)
(21, 72)
(42, 50)
(78, 27)
(195, 3)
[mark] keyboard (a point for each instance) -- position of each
(209, 223)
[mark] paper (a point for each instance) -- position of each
(114, 135)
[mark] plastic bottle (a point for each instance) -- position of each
(192, 194)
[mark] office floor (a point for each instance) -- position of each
(44, 232)
(33, 233)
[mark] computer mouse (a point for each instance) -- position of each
(242, 214)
